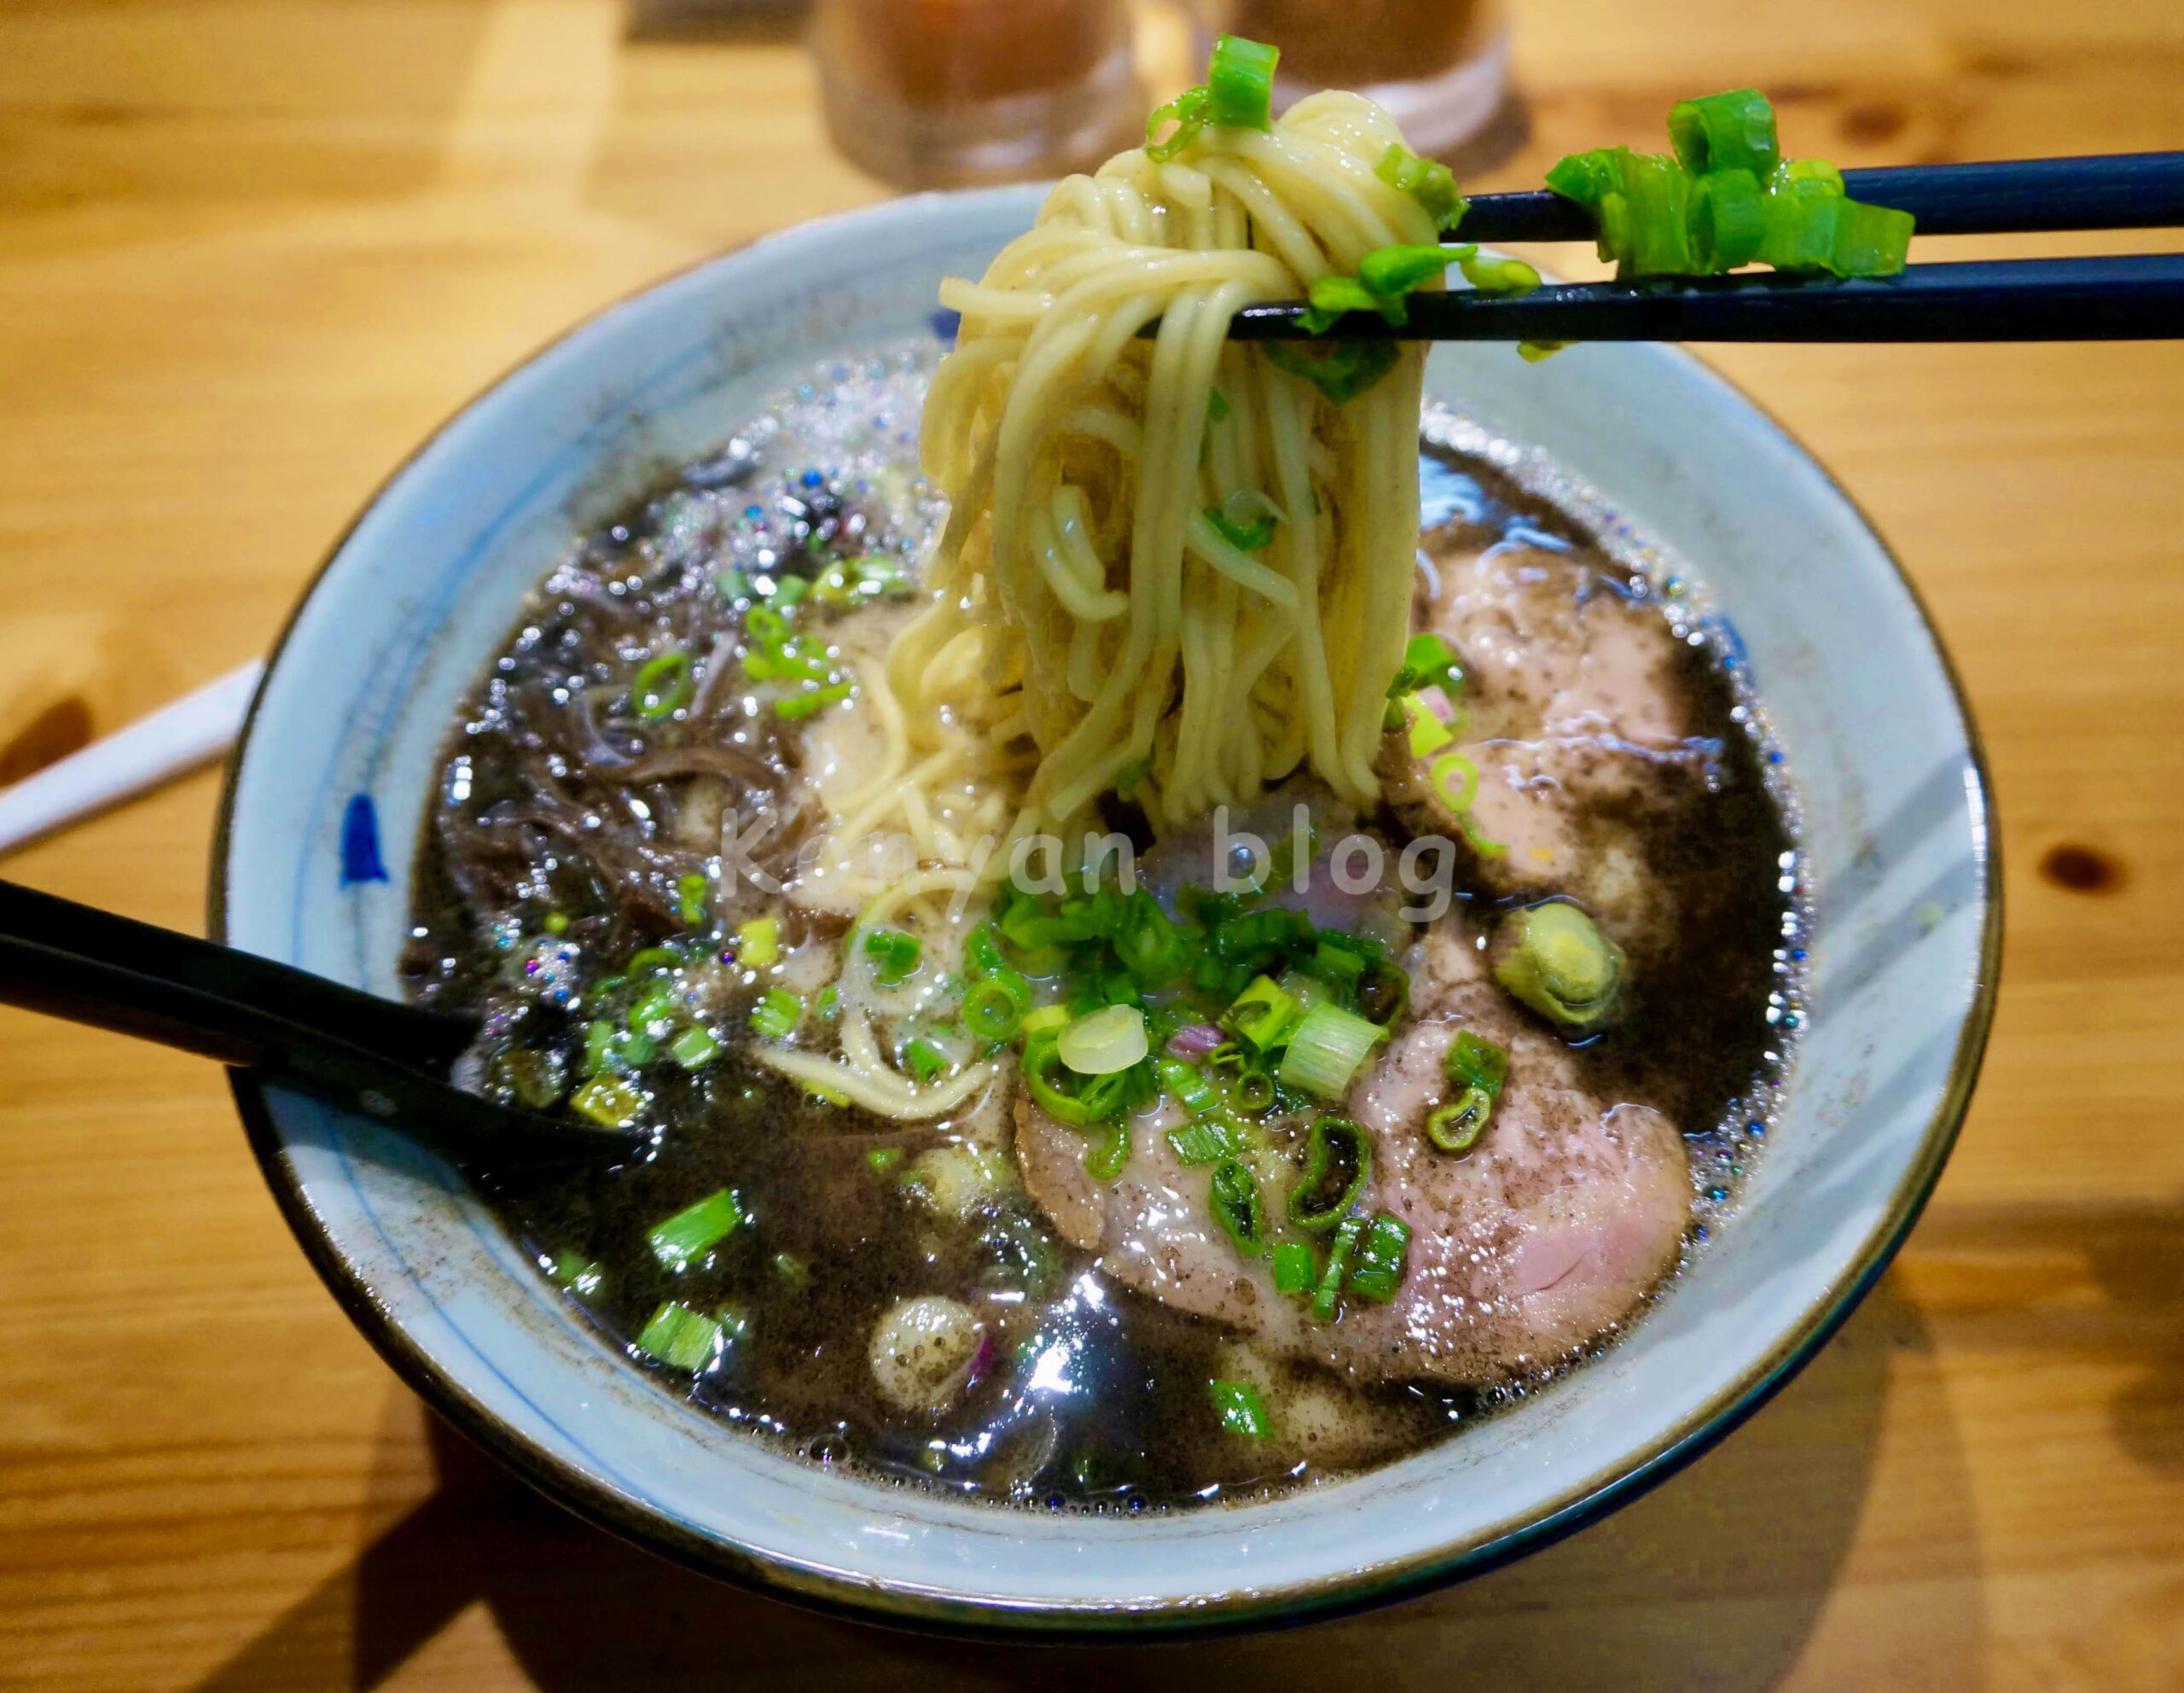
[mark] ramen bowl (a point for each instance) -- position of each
(337, 767)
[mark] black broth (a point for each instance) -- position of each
(560, 797)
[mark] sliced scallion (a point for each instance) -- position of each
(1263, 1014)
(1328, 1292)
(894, 953)
(1104, 1042)
(663, 686)
(1731, 131)
(1377, 1270)
(691, 1232)
(1327, 1049)
(758, 942)
(776, 1014)
(608, 1101)
(1338, 1167)
(1234, 1195)
(695, 1048)
(1240, 1409)
(1240, 83)
(1295, 1268)
(681, 1338)
(690, 893)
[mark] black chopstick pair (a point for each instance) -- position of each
(2139, 297)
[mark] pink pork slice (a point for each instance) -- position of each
(1542, 1241)
(1577, 722)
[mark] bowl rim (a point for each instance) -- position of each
(970, 1617)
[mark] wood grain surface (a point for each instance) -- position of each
(251, 252)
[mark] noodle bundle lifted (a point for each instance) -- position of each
(1182, 566)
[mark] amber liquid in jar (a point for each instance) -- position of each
(1440, 66)
(926, 92)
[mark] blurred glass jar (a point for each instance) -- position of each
(931, 93)
(1441, 68)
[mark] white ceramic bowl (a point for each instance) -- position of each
(415, 599)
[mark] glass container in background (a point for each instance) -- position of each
(1441, 68)
(932, 93)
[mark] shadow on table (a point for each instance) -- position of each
(1715, 1579)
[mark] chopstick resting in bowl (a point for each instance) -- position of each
(2139, 297)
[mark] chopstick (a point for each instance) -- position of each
(2137, 298)
(2100, 191)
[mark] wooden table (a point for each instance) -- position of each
(251, 252)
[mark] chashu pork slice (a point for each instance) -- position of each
(1545, 1238)
(1577, 720)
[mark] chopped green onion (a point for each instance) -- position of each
(1187, 111)
(1659, 197)
(1561, 965)
(681, 1338)
(895, 954)
(1263, 1014)
(1731, 132)
(1588, 177)
(663, 686)
(1337, 1268)
(1457, 1125)
(1042, 1068)
(1330, 297)
(1246, 537)
(600, 1039)
(1048, 1019)
(1148, 943)
(557, 923)
(1337, 1166)
(1870, 241)
(1341, 370)
(1428, 661)
(994, 1009)
(1327, 1049)
(1234, 1197)
(1379, 1267)
(696, 1229)
(1207, 1141)
(1294, 1269)
(1237, 1403)
(789, 589)
(1339, 959)
(690, 897)
(925, 1060)
(1393, 272)
(1105, 1158)
(776, 1014)
(1427, 181)
(1384, 993)
(577, 1273)
(651, 959)
(758, 942)
(1187, 1083)
(1217, 406)
(830, 1000)
(792, 1270)
(1489, 275)
(1728, 220)
(609, 1102)
(1240, 83)
(652, 1012)
(1104, 1042)
(1477, 1062)
(1128, 778)
(805, 704)
(883, 1159)
(1801, 213)
(1534, 352)
(695, 1048)
(1252, 1089)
